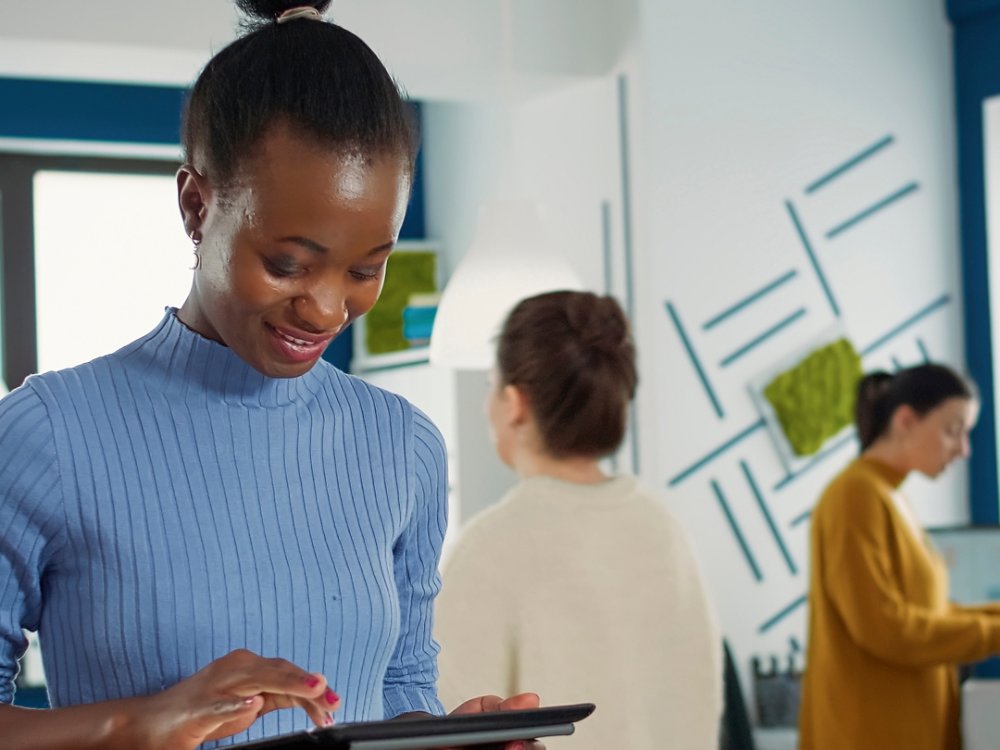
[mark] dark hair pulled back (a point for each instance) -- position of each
(317, 77)
(922, 388)
(572, 355)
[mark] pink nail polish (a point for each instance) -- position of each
(312, 681)
(331, 697)
(328, 720)
(248, 701)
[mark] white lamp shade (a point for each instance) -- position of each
(511, 258)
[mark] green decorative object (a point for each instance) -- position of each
(408, 272)
(814, 400)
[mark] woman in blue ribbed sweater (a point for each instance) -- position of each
(213, 523)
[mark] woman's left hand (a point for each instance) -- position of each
(485, 703)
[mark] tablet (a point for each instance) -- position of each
(434, 732)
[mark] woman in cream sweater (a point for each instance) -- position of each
(883, 637)
(579, 585)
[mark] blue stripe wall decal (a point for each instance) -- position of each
(817, 459)
(740, 539)
(885, 338)
(624, 151)
(609, 289)
(801, 518)
(923, 350)
(714, 454)
(694, 360)
(849, 164)
(770, 623)
(750, 346)
(807, 246)
(606, 246)
(750, 299)
(770, 520)
(884, 203)
(624, 159)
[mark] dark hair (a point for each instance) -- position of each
(922, 388)
(321, 79)
(571, 354)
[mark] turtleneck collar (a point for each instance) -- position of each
(893, 476)
(179, 360)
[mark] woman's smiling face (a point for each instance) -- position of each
(293, 251)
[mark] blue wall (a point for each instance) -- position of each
(977, 77)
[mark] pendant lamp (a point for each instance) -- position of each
(511, 258)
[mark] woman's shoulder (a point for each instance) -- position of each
(22, 408)
(52, 388)
(858, 475)
(500, 524)
(388, 409)
(26, 428)
(361, 394)
(855, 491)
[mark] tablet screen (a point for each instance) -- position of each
(435, 732)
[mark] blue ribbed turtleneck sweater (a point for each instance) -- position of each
(166, 504)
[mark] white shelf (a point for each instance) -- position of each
(418, 355)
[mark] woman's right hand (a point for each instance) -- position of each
(225, 698)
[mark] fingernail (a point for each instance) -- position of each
(328, 720)
(331, 697)
(312, 681)
(248, 701)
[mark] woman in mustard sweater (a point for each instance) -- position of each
(884, 639)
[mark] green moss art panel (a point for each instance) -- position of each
(408, 272)
(814, 400)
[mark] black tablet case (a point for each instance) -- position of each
(436, 732)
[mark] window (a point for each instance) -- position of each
(110, 253)
(92, 250)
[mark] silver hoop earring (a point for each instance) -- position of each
(196, 241)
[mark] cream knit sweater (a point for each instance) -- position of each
(584, 593)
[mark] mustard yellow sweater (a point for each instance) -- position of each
(883, 638)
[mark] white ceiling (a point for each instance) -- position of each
(438, 49)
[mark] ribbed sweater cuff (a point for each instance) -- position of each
(401, 700)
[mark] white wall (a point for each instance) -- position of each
(742, 107)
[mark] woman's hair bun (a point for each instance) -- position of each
(571, 354)
(268, 10)
(598, 322)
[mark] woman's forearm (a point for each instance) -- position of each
(107, 725)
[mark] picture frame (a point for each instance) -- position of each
(822, 376)
(396, 331)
